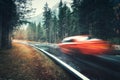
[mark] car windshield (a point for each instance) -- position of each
(75, 38)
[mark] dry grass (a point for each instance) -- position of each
(24, 63)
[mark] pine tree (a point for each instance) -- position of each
(60, 17)
(55, 27)
(95, 17)
(76, 18)
(47, 19)
(10, 14)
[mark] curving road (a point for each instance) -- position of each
(102, 67)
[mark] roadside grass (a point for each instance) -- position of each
(22, 62)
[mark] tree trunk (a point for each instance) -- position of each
(6, 39)
(0, 30)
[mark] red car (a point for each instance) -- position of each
(85, 45)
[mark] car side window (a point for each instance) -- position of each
(70, 40)
(89, 38)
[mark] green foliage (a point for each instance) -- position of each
(99, 18)
(10, 13)
(47, 22)
(94, 17)
(64, 20)
(31, 31)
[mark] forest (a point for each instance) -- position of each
(98, 18)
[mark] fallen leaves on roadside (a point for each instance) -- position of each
(25, 63)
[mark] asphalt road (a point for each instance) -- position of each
(101, 67)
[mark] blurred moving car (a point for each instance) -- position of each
(84, 44)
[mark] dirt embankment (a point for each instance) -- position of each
(25, 63)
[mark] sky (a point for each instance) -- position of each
(39, 4)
